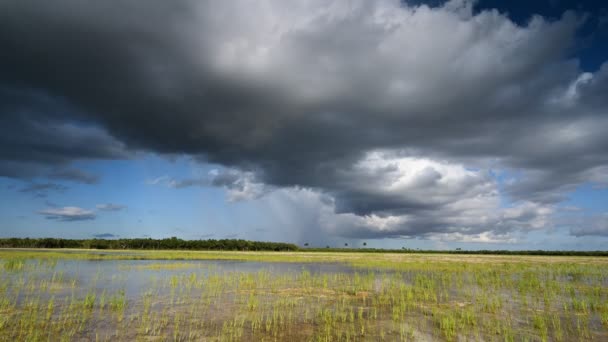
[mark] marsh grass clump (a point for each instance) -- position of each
(362, 298)
(12, 265)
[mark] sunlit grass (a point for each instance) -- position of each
(375, 297)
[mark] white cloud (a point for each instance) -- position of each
(158, 180)
(485, 237)
(68, 214)
(239, 185)
(447, 203)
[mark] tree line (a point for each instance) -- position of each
(460, 251)
(172, 243)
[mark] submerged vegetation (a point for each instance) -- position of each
(299, 296)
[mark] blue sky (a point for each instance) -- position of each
(160, 211)
(150, 210)
(432, 125)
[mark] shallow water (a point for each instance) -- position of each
(215, 299)
(135, 277)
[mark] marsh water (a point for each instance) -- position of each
(135, 277)
(79, 297)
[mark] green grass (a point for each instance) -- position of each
(390, 297)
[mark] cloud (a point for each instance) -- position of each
(39, 138)
(74, 175)
(240, 185)
(591, 226)
(68, 214)
(385, 183)
(105, 236)
(110, 207)
(157, 180)
(441, 211)
(380, 109)
(42, 189)
(485, 237)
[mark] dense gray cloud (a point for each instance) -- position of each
(40, 138)
(378, 107)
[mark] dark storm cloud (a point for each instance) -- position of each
(39, 137)
(300, 95)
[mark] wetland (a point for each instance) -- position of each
(82, 295)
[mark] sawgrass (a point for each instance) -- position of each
(390, 297)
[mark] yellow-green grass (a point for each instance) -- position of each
(376, 296)
(299, 256)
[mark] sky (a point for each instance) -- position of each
(399, 124)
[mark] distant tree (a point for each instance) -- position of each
(364, 244)
(234, 244)
(306, 244)
(345, 244)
